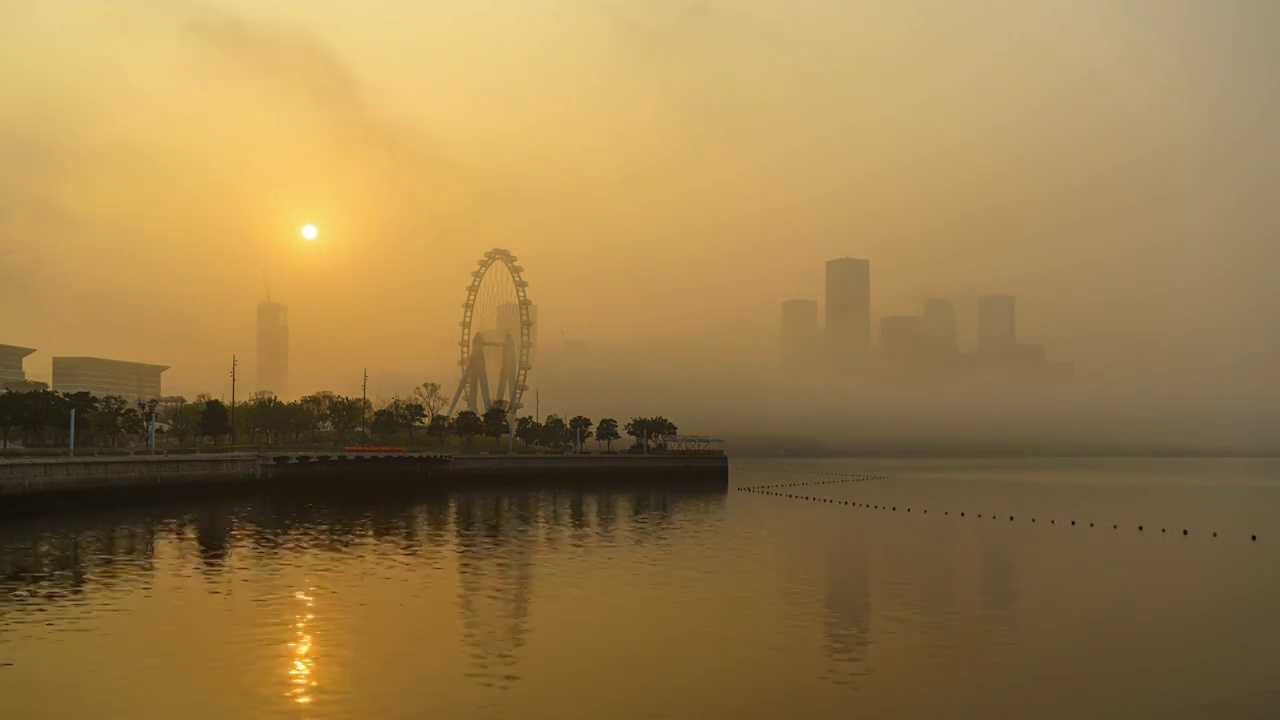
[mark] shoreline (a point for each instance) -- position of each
(55, 478)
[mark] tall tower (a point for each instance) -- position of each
(799, 338)
(996, 334)
(273, 348)
(939, 327)
(848, 311)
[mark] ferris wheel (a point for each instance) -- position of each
(497, 336)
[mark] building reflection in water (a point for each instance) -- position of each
(495, 541)
(848, 612)
(302, 678)
(999, 584)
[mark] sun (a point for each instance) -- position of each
(309, 232)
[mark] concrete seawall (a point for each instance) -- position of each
(47, 477)
(40, 476)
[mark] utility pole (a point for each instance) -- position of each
(537, 405)
(233, 400)
(72, 445)
(364, 403)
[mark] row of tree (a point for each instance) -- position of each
(41, 417)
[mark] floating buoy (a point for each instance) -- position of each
(1184, 532)
(1253, 538)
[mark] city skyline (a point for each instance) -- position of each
(636, 191)
(922, 343)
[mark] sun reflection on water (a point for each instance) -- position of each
(302, 682)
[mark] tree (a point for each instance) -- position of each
(181, 417)
(528, 430)
(607, 432)
(440, 427)
(495, 422)
(410, 415)
(432, 400)
(345, 415)
(131, 422)
(266, 414)
(467, 425)
(40, 410)
(555, 433)
(297, 420)
(215, 420)
(579, 431)
(105, 420)
(147, 413)
(316, 407)
(638, 428)
(10, 413)
(659, 430)
(385, 423)
(84, 404)
(652, 432)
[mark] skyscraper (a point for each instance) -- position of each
(848, 311)
(939, 327)
(273, 348)
(800, 338)
(996, 334)
(902, 340)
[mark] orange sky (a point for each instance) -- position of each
(659, 167)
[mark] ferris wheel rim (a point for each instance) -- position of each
(523, 365)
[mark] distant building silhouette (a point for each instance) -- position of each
(130, 380)
(939, 328)
(848, 311)
(902, 341)
(509, 322)
(996, 328)
(11, 370)
(273, 348)
(1029, 355)
(800, 338)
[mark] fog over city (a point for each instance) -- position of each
(668, 173)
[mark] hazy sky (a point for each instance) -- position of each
(658, 165)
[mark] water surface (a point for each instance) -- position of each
(653, 603)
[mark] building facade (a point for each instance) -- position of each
(800, 338)
(273, 348)
(939, 328)
(902, 340)
(11, 369)
(996, 327)
(130, 380)
(848, 311)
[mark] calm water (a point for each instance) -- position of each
(656, 604)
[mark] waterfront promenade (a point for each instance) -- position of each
(49, 476)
